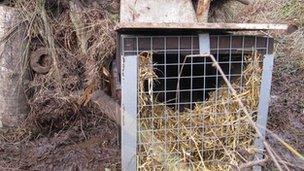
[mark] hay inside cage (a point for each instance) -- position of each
(214, 135)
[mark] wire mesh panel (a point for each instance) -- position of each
(187, 117)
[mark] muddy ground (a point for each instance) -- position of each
(91, 142)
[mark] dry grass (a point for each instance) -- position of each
(289, 48)
(287, 95)
(80, 39)
(59, 129)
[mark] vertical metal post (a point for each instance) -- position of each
(129, 113)
(263, 106)
(204, 43)
(204, 48)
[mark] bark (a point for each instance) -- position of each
(13, 101)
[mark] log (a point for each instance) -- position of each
(13, 101)
(202, 10)
(107, 106)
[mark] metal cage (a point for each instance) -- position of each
(178, 84)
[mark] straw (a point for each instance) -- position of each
(214, 135)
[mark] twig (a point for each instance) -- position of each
(234, 93)
(289, 147)
(253, 163)
(279, 159)
(82, 131)
(268, 149)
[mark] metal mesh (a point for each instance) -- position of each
(181, 84)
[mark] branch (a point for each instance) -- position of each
(253, 163)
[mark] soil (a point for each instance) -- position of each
(90, 143)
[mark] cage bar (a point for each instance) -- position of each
(129, 112)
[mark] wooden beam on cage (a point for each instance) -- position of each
(219, 27)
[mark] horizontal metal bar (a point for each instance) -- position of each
(182, 50)
(168, 104)
(202, 63)
(201, 76)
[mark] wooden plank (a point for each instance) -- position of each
(131, 26)
(157, 11)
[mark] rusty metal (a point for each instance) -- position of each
(40, 61)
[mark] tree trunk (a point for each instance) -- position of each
(13, 102)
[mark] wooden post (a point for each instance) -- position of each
(13, 102)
